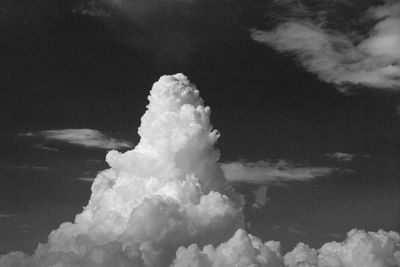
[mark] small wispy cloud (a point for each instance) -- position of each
(289, 229)
(264, 172)
(339, 56)
(82, 137)
(24, 167)
(6, 216)
(342, 156)
(260, 197)
(43, 147)
(85, 179)
(106, 8)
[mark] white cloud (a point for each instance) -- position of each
(241, 250)
(169, 191)
(27, 167)
(367, 249)
(263, 172)
(82, 137)
(260, 197)
(342, 156)
(360, 249)
(339, 57)
(43, 147)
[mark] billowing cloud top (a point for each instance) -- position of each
(336, 55)
(83, 137)
(161, 202)
(167, 191)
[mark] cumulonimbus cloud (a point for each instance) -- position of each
(264, 172)
(162, 201)
(82, 137)
(338, 56)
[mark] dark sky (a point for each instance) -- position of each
(62, 68)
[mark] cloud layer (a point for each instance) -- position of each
(82, 137)
(263, 172)
(339, 56)
(162, 201)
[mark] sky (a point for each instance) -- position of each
(305, 96)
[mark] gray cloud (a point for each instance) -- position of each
(260, 197)
(263, 172)
(85, 179)
(337, 55)
(43, 147)
(82, 137)
(342, 156)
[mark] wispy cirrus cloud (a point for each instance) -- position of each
(85, 179)
(82, 137)
(140, 8)
(264, 172)
(48, 148)
(342, 54)
(342, 156)
(5, 216)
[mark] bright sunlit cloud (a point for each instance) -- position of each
(166, 202)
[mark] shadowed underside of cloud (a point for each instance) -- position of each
(341, 56)
(160, 202)
(263, 172)
(82, 137)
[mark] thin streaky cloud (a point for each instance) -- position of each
(264, 172)
(43, 147)
(289, 229)
(24, 167)
(85, 179)
(82, 137)
(340, 57)
(342, 156)
(5, 216)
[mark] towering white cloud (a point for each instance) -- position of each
(166, 192)
(342, 57)
(169, 193)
